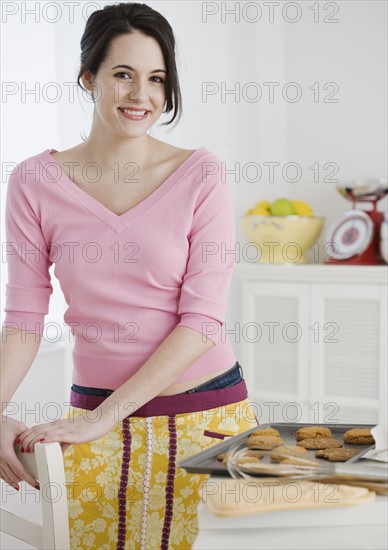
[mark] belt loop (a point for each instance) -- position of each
(241, 369)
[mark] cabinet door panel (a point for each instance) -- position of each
(346, 350)
(339, 412)
(274, 334)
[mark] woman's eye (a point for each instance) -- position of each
(126, 76)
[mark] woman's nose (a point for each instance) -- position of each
(137, 90)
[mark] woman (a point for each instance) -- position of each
(142, 237)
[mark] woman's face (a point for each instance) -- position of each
(130, 81)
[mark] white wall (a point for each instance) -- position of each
(353, 132)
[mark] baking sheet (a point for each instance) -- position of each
(206, 461)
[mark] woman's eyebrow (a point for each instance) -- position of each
(132, 69)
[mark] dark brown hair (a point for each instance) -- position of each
(115, 20)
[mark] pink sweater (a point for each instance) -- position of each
(128, 280)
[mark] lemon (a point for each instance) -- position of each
(263, 204)
(302, 208)
(261, 209)
(282, 207)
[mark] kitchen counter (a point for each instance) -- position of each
(356, 527)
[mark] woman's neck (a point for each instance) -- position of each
(107, 152)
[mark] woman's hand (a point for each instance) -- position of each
(11, 469)
(68, 431)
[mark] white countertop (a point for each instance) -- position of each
(356, 527)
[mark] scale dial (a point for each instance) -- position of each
(350, 235)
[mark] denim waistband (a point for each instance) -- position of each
(228, 378)
(99, 392)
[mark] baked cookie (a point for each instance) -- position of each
(359, 436)
(247, 460)
(249, 456)
(311, 432)
(320, 443)
(336, 455)
(256, 455)
(267, 431)
(280, 454)
(265, 442)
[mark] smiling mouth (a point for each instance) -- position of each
(134, 113)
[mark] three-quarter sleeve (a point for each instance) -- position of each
(212, 254)
(28, 288)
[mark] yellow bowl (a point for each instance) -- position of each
(281, 239)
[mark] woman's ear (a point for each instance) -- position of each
(87, 82)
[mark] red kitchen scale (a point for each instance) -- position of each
(354, 238)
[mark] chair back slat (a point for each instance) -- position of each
(21, 528)
(49, 459)
(46, 465)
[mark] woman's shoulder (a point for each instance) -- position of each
(197, 161)
(28, 161)
(175, 152)
(170, 152)
(29, 169)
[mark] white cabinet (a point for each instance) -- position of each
(312, 341)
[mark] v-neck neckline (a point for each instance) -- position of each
(115, 221)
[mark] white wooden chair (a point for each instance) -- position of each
(46, 465)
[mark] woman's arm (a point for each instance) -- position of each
(174, 355)
(28, 292)
(17, 351)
